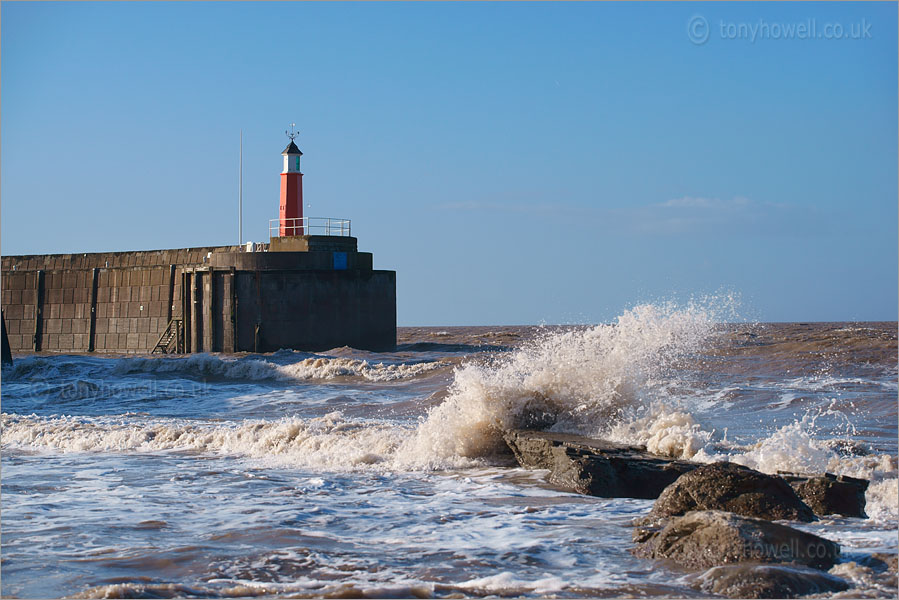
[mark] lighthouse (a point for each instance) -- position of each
(291, 211)
(294, 232)
(308, 289)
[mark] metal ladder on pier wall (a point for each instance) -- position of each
(174, 332)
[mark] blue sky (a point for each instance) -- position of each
(514, 163)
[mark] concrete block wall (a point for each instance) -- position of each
(19, 294)
(76, 303)
(131, 308)
(66, 310)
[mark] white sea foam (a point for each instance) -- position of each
(792, 448)
(824, 381)
(597, 381)
(665, 432)
(609, 380)
(508, 582)
(330, 441)
(315, 367)
(584, 381)
(882, 501)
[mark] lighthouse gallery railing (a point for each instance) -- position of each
(309, 226)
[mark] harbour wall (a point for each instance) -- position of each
(224, 299)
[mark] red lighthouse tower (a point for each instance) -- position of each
(291, 212)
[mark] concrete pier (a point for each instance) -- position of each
(317, 293)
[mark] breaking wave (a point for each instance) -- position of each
(580, 381)
(882, 501)
(314, 367)
(612, 381)
(329, 441)
(792, 448)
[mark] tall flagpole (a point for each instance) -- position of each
(240, 193)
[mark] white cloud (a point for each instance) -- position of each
(685, 215)
(691, 215)
(508, 207)
(706, 203)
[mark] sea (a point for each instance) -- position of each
(348, 473)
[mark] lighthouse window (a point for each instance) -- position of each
(298, 163)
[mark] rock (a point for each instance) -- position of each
(708, 538)
(768, 581)
(733, 488)
(596, 467)
(831, 494)
(880, 562)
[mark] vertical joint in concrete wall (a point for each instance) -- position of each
(171, 304)
(186, 321)
(93, 316)
(196, 344)
(233, 315)
(208, 310)
(38, 312)
(257, 330)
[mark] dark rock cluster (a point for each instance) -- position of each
(717, 517)
(707, 538)
(733, 488)
(768, 581)
(831, 494)
(720, 517)
(596, 467)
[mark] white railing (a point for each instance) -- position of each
(309, 226)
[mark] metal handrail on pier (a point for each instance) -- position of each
(309, 226)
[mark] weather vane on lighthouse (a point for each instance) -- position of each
(292, 133)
